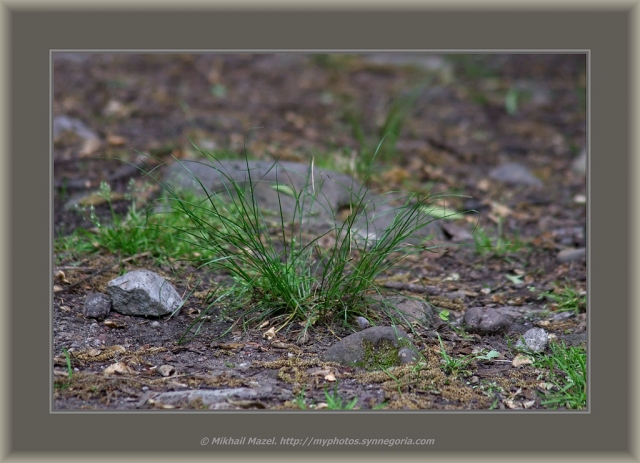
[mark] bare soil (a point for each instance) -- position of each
(456, 131)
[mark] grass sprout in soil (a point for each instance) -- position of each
(289, 276)
(566, 299)
(567, 379)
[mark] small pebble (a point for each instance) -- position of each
(406, 355)
(534, 340)
(562, 316)
(362, 322)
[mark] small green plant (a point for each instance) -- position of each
(472, 66)
(566, 299)
(129, 234)
(499, 246)
(451, 365)
(65, 384)
(511, 101)
(390, 128)
(334, 401)
(568, 375)
(300, 400)
(492, 354)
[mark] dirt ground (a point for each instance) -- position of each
(467, 115)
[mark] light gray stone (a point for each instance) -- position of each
(96, 305)
(579, 164)
(207, 397)
(571, 255)
(534, 340)
(321, 194)
(484, 320)
(143, 293)
(413, 310)
(406, 310)
(361, 348)
(362, 322)
(515, 174)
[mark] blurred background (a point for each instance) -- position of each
(450, 122)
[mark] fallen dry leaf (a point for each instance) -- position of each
(166, 370)
(60, 276)
(269, 334)
(119, 368)
(520, 360)
(113, 324)
(93, 352)
(116, 140)
(512, 404)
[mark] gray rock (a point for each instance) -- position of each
(579, 164)
(485, 321)
(96, 305)
(91, 141)
(571, 255)
(560, 316)
(217, 396)
(430, 62)
(362, 322)
(320, 196)
(534, 340)
(143, 293)
(406, 310)
(515, 313)
(63, 124)
(207, 397)
(407, 355)
(515, 174)
(413, 310)
(368, 347)
(378, 215)
(334, 189)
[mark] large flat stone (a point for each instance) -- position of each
(362, 348)
(143, 293)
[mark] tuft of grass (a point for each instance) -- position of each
(300, 400)
(335, 402)
(390, 129)
(566, 299)
(500, 246)
(453, 366)
(126, 235)
(287, 276)
(568, 376)
(472, 66)
(65, 384)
